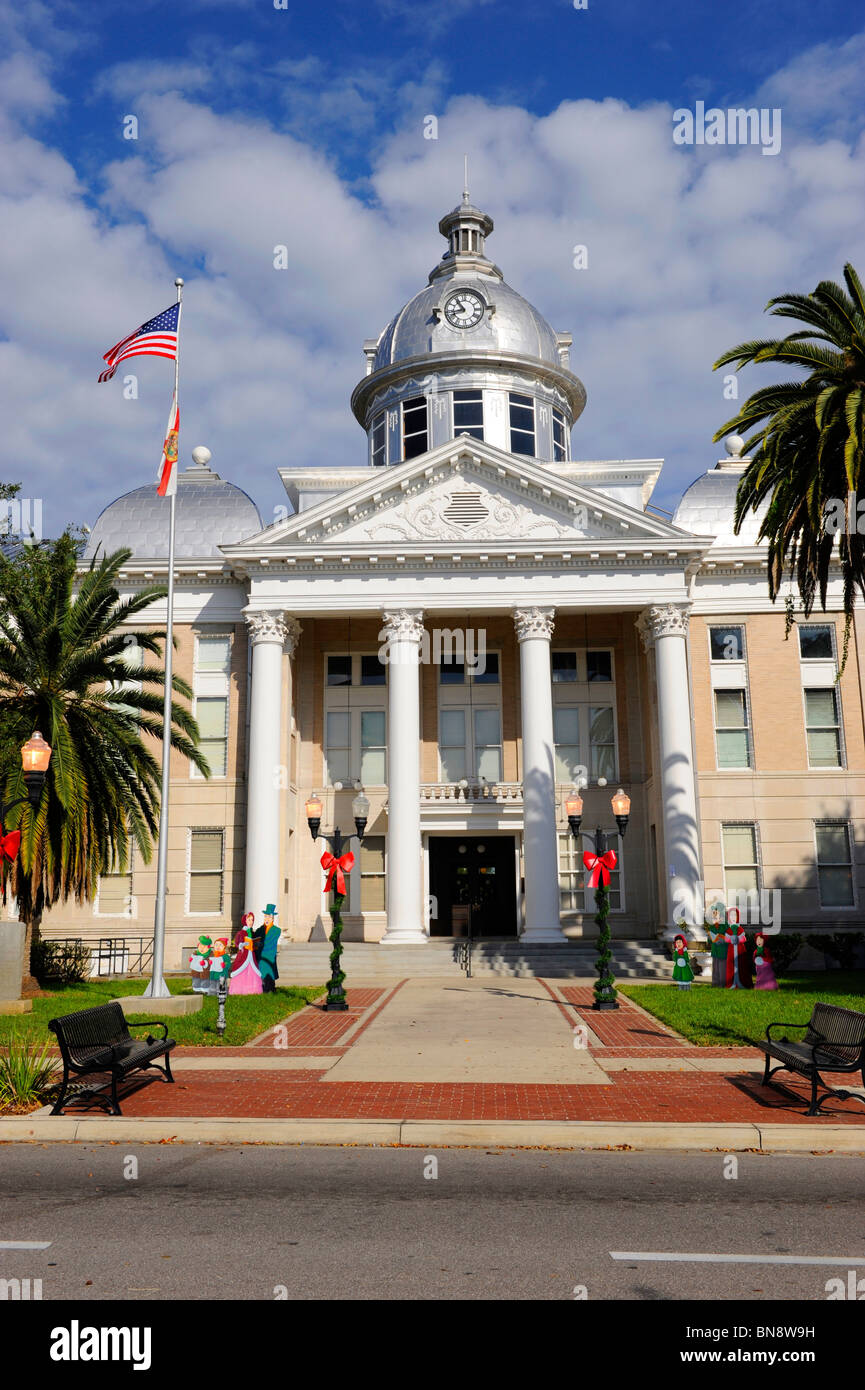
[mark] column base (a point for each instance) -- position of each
(404, 936)
(543, 936)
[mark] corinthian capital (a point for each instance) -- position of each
(534, 622)
(272, 625)
(401, 625)
(663, 620)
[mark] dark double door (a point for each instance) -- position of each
(477, 872)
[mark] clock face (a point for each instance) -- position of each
(464, 309)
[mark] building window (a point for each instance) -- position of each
(741, 866)
(414, 427)
(339, 670)
(599, 666)
(727, 643)
(822, 728)
(834, 863)
(481, 760)
(114, 894)
(378, 440)
(338, 746)
(452, 744)
(522, 421)
(372, 873)
(469, 413)
(815, 642)
(372, 670)
(560, 437)
(573, 894)
(564, 667)
(206, 860)
(372, 748)
(566, 735)
(602, 742)
(355, 723)
(731, 729)
(210, 683)
(488, 744)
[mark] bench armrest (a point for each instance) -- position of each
(770, 1026)
(153, 1023)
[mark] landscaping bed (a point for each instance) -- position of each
(713, 1017)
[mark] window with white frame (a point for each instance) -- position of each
(470, 721)
(574, 895)
(522, 424)
(560, 436)
(740, 859)
(415, 428)
(823, 728)
(469, 413)
(816, 642)
(834, 863)
(205, 873)
(114, 896)
(732, 732)
(372, 873)
(211, 685)
(584, 726)
(355, 721)
(726, 643)
(378, 441)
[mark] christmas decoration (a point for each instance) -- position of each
(764, 971)
(682, 972)
(199, 965)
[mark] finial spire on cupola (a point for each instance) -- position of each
(466, 228)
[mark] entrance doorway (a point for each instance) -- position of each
(477, 872)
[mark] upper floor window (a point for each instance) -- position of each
(732, 734)
(210, 685)
(355, 722)
(415, 431)
(560, 436)
(484, 671)
(823, 728)
(727, 643)
(815, 642)
(378, 443)
(522, 422)
(469, 413)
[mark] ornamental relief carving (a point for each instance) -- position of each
(662, 620)
(401, 624)
(534, 622)
(458, 514)
(272, 625)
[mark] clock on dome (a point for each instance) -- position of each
(464, 309)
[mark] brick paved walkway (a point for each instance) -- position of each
(711, 1096)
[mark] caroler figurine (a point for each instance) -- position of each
(764, 971)
(220, 963)
(199, 964)
(738, 965)
(245, 975)
(682, 972)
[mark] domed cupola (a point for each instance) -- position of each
(468, 355)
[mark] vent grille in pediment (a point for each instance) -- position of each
(466, 509)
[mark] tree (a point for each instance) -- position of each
(65, 669)
(807, 444)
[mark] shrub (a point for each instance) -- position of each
(840, 946)
(27, 1075)
(784, 949)
(67, 961)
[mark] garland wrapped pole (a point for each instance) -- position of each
(599, 863)
(336, 865)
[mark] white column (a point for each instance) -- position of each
(402, 631)
(270, 631)
(665, 628)
(540, 851)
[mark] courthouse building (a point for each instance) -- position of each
(605, 643)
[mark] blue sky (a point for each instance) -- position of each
(304, 127)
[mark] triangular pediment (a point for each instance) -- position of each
(466, 492)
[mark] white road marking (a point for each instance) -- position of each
(25, 1244)
(738, 1259)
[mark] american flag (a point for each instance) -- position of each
(156, 338)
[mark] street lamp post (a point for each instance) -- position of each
(35, 757)
(337, 864)
(599, 864)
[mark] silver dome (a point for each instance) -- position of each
(515, 326)
(708, 505)
(210, 513)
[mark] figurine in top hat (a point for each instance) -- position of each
(267, 949)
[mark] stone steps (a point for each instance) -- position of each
(307, 962)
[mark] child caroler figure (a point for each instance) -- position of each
(220, 963)
(682, 972)
(764, 971)
(199, 964)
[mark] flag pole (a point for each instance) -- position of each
(157, 988)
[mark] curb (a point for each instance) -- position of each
(575, 1134)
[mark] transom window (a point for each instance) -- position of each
(522, 424)
(469, 413)
(414, 427)
(362, 669)
(571, 668)
(453, 672)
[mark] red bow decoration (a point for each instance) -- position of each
(339, 867)
(599, 866)
(9, 844)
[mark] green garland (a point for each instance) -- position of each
(335, 993)
(605, 985)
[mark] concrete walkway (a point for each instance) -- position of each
(484, 1030)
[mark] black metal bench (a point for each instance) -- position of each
(98, 1040)
(834, 1041)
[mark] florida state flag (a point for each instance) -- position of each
(168, 467)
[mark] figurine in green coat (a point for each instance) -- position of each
(682, 972)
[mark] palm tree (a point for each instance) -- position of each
(807, 445)
(64, 646)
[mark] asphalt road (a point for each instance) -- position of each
(343, 1223)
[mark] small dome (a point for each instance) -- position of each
(708, 505)
(514, 326)
(210, 513)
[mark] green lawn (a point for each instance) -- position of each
(735, 1017)
(246, 1015)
